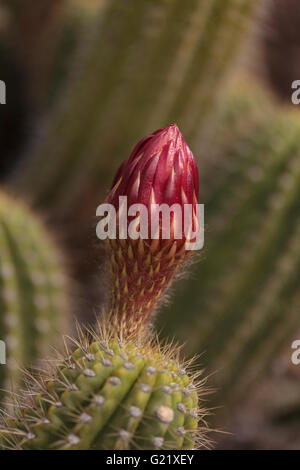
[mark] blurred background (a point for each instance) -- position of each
(87, 79)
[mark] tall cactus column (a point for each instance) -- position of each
(32, 289)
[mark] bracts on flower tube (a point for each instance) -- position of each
(155, 196)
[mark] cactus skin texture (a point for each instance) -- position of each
(31, 289)
(242, 303)
(109, 394)
(161, 60)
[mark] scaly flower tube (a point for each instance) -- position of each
(161, 175)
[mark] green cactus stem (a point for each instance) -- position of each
(109, 393)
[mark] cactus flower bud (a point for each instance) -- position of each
(161, 175)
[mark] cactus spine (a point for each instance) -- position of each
(140, 54)
(31, 289)
(109, 394)
(245, 293)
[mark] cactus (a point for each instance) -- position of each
(110, 393)
(242, 303)
(42, 40)
(76, 17)
(119, 389)
(160, 61)
(31, 289)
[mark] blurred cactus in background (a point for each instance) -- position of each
(85, 80)
(34, 30)
(60, 24)
(281, 46)
(32, 290)
(36, 47)
(242, 304)
(158, 62)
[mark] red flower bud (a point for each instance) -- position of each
(160, 170)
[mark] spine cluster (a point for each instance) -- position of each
(141, 273)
